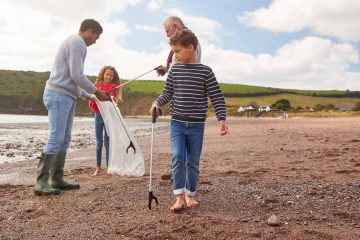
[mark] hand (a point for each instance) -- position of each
(155, 107)
(101, 95)
(91, 97)
(224, 129)
(161, 70)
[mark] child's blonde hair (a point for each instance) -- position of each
(100, 77)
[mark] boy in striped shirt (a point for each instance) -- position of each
(187, 88)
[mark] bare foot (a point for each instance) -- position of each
(179, 204)
(97, 171)
(108, 173)
(191, 202)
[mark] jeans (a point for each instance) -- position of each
(101, 139)
(186, 144)
(61, 109)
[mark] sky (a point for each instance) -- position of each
(303, 44)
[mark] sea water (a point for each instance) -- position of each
(23, 137)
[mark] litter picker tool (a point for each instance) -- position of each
(131, 145)
(154, 115)
(113, 90)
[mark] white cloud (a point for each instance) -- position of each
(146, 28)
(155, 5)
(310, 63)
(76, 11)
(337, 18)
(30, 42)
(204, 28)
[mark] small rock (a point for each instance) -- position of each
(208, 182)
(166, 176)
(164, 183)
(14, 217)
(245, 220)
(273, 220)
(28, 210)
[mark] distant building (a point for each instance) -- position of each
(344, 109)
(266, 109)
(241, 109)
(244, 109)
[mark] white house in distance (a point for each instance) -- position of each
(264, 108)
(267, 109)
(243, 109)
(260, 109)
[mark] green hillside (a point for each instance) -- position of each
(21, 92)
(145, 86)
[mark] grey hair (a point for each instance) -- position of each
(170, 21)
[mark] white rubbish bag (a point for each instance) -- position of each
(123, 161)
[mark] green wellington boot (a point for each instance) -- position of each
(42, 186)
(57, 173)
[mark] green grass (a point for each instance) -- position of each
(318, 92)
(157, 86)
(15, 83)
(146, 86)
(240, 88)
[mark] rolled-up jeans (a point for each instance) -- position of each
(186, 144)
(102, 138)
(61, 109)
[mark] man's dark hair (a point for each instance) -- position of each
(91, 24)
(184, 37)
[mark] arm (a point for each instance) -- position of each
(164, 69)
(166, 94)
(76, 56)
(218, 101)
(84, 95)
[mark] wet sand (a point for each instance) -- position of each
(306, 171)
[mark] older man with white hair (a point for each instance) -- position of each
(173, 25)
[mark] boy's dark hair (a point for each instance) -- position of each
(185, 37)
(91, 24)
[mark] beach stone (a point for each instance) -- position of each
(164, 183)
(205, 181)
(246, 220)
(10, 154)
(166, 176)
(273, 220)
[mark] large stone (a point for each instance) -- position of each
(273, 220)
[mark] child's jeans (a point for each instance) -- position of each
(101, 138)
(61, 109)
(186, 144)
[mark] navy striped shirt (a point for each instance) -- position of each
(188, 87)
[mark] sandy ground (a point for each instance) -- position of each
(306, 171)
